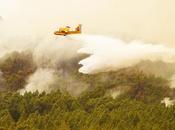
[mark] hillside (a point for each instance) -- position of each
(128, 98)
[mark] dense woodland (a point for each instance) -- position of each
(137, 107)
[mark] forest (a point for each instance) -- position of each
(125, 99)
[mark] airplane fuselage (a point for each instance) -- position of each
(66, 31)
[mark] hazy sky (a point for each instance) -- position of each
(151, 20)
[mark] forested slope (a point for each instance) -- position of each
(126, 99)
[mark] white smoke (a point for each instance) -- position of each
(115, 92)
(47, 51)
(41, 80)
(168, 102)
(107, 54)
(54, 50)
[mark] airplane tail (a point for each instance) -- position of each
(79, 28)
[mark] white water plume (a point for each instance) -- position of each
(107, 54)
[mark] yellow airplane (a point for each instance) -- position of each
(68, 31)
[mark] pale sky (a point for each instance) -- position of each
(151, 20)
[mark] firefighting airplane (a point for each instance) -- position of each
(63, 31)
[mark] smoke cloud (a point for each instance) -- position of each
(41, 80)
